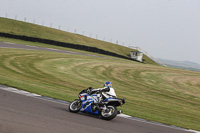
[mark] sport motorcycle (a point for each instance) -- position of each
(95, 103)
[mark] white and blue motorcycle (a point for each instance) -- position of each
(102, 102)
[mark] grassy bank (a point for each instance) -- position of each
(155, 93)
(33, 30)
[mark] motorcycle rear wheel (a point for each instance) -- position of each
(110, 114)
(75, 106)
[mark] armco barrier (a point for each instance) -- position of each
(63, 44)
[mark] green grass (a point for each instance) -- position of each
(166, 95)
(33, 30)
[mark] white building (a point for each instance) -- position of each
(137, 55)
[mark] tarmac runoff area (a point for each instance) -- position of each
(20, 46)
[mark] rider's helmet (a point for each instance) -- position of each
(108, 84)
(111, 91)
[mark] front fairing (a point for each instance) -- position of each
(87, 102)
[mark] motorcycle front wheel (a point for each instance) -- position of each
(75, 106)
(110, 113)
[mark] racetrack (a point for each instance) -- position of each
(19, 46)
(22, 114)
(26, 114)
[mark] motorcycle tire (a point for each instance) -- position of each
(75, 106)
(111, 114)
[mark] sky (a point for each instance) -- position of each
(168, 29)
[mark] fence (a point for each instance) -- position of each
(63, 44)
(59, 27)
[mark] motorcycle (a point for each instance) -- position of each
(89, 102)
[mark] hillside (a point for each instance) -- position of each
(33, 30)
(187, 65)
(181, 63)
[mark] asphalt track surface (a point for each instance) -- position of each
(20, 46)
(26, 114)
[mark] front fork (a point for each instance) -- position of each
(79, 102)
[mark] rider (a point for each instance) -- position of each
(107, 91)
(111, 92)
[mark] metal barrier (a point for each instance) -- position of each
(63, 44)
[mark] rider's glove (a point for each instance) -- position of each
(89, 90)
